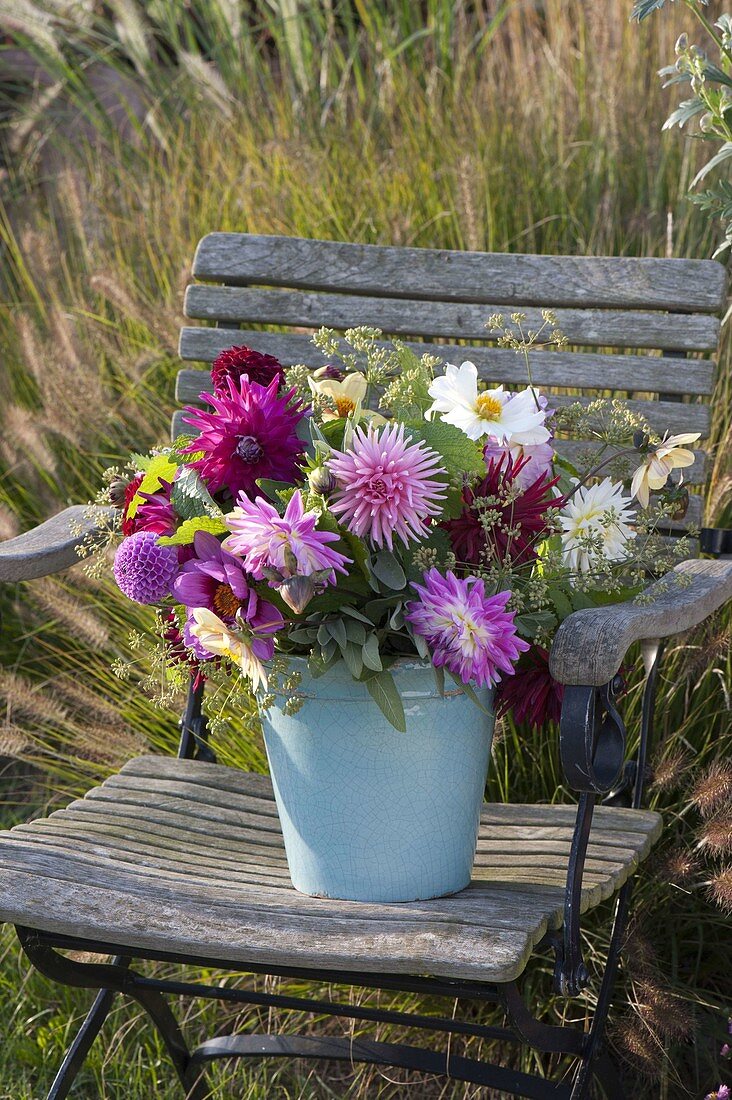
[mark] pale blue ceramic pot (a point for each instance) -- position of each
(371, 814)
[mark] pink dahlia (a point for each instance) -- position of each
(532, 694)
(289, 544)
(214, 579)
(468, 633)
(387, 485)
(250, 434)
(143, 570)
(236, 361)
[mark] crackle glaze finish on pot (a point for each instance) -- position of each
(369, 813)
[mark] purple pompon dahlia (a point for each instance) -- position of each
(250, 434)
(232, 363)
(143, 570)
(469, 633)
(387, 485)
(289, 544)
(532, 694)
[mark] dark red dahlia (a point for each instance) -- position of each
(155, 513)
(521, 522)
(532, 694)
(235, 361)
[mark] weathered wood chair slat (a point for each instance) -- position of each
(182, 859)
(486, 932)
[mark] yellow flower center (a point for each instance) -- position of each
(225, 602)
(344, 406)
(488, 407)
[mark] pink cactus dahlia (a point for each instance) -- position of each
(250, 434)
(387, 486)
(469, 633)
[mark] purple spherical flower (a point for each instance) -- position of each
(290, 544)
(387, 485)
(469, 633)
(250, 434)
(214, 579)
(143, 570)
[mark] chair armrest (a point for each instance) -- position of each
(590, 645)
(48, 548)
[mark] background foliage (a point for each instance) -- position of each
(134, 128)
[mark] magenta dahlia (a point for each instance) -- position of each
(289, 544)
(387, 485)
(522, 519)
(469, 633)
(215, 579)
(143, 570)
(250, 434)
(232, 363)
(532, 694)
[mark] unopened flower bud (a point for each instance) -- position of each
(117, 491)
(640, 441)
(321, 480)
(329, 371)
(706, 122)
(297, 592)
(682, 43)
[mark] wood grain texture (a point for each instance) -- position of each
(571, 370)
(45, 549)
(590, 645)
(186, 856)
(448, 320)
(685, 286)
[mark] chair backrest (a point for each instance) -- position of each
(629, 311)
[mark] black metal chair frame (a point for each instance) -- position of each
(593, 752)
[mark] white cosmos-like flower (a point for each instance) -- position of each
(654, 470)
(509, 419)
(596, 510)
(224, 641)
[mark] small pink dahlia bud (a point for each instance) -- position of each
(143, 570)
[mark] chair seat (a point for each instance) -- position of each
(186, 858)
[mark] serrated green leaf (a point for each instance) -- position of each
(186, 532)
(459, 454)
(383, 691)
(370, 653)
(387, 569)
(159, 469)
(190, 497)
(561, 601)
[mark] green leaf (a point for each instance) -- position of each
(356, 615)
(272, 489)
(355, 631)
(370, 653)
(354, 660)
(159, 469)
(387, 569)
(470, 692)
(190, 497)
(530, 624)
(561, 601)
(186, 532)
(724, 154)
(459, 454)
(337, 630)
(439, 675)
(383, 691)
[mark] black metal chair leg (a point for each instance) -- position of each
(190, 1076)
(76, 1054)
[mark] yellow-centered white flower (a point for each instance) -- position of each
(653, 472)
(495, 413)
(596, 510)
(223, 641)
(344, 398)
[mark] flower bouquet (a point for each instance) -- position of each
(381, 553)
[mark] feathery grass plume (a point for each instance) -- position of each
(678, 866)
(713, 788)
(31, 700)
(670, 767)
(77, 618)
(637, 1044)
(664, 1012)
(24, 441)
(715, 836)
(95, 743)
(9, 525)
(720, 889)
(14, 741)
